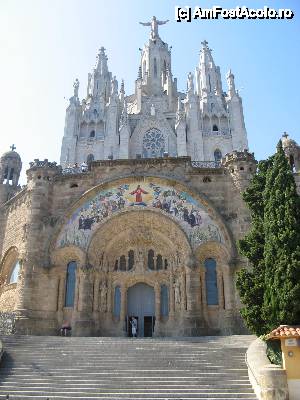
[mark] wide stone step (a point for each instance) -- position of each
(121, 368)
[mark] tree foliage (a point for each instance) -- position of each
(251, 283)
(282, 245)
(270, 291)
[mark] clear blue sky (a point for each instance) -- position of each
(46, 44)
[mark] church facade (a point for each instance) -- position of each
(142, 215)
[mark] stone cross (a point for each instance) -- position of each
(13, 147)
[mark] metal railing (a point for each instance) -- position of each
(206, 164)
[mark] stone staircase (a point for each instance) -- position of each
(43, 367)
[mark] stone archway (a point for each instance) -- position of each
(137, 232)
(116, 226)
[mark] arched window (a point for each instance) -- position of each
(166, 263)
(92, 133)
(211, 282)
(151, 259)
(209, 83)
(122, 263)
(130, 259)
(217, 155)
(117, 265)
(70, 284)
(117, 301)
(165, 71)
(215, 128)
(164, 301)
(155, 67)
(15, 273)
(159, 262)
(90, 158)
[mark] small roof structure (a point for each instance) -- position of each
(285, 332)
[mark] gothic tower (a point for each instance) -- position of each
(157, 120)
(10, 169)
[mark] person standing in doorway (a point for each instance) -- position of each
(133, 327)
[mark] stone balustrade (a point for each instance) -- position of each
(269, 381)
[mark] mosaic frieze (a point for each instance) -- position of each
(179, 205)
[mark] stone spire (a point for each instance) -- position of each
(99, 79)
(231, 84)
(122, 93)
(101, 63)
(208, 74)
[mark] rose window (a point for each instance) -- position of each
(153, 144)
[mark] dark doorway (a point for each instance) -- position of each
(141, 304)
(149, 326)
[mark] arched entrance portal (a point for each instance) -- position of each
(141, 305)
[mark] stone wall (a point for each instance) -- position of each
(35, 219)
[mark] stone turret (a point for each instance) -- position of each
(292, 151)
(241, 165)
(10, 169)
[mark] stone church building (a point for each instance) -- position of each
(142, 215)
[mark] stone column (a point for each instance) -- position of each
(84, 324)
(23, 298)
(228, 321)
(76, 297)
(61, 298)
(193, 315)
(189, 294)
(171, 295)
(157, 309)
(96, 316)
(203, 293)
(123, 289)
(228, 287)
(109, 297)
(96, 294)
(220, 289)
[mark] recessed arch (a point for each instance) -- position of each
(144, 230)
(8, 262)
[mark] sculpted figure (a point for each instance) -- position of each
(76, 87)
(103, 296)
(177, 291)
(114, 86)
(154, 26)
(190, 82)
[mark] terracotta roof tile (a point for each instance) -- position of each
(285, 331)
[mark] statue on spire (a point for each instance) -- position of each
(76, 87)
(154, 26)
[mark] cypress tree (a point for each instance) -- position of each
(281, 226)
(251, 283)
